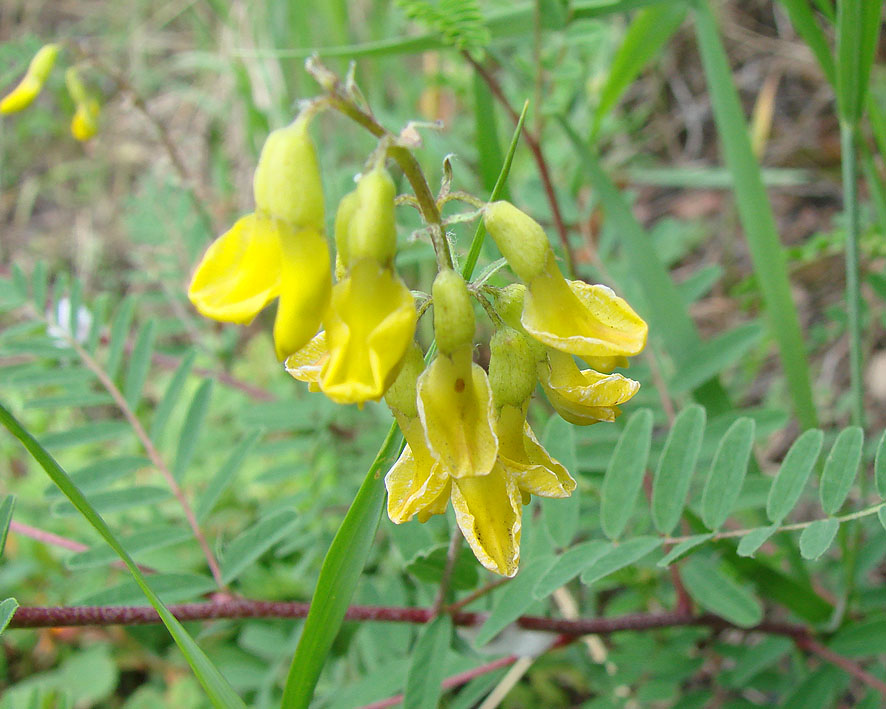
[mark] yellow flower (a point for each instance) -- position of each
(583, 396)
(307, 363)
(256, 261)
(416, 484)
(29, 87)
(84, 124)
(369, 324)
(455, 407)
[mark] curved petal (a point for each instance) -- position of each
(489, 512)
(369, 325)
(240, 272)
(455, 407)
(415, 486)
(522, 456)
(305, 286)
(583, 396)
(585, 320)
(307, 363)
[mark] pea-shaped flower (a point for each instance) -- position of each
(277, 251)
(32, 82)
(571, 316)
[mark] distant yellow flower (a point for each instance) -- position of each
(29, 87)
(583, 396)
(257, 260)
(369, 324)
(84, 124)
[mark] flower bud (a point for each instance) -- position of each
(453, 312)
(372, 231)
(287, 184)
(27, 89)
(520, 238)
(74, 84)
(343, 217)
(400, 396)
(509, 305)
(84, 124)
(512, 368)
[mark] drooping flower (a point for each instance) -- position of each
(279, 251)
(371, 316)
(84, 124)
(571, 316)
(32, 82)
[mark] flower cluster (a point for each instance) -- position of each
(466, 430)
(84, 123)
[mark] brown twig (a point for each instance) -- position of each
(451, 558)
(810, 645)
(538, 155)
(479, 593)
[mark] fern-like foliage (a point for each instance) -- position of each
(459, 22)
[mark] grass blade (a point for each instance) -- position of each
(858, 22)
(803, 19)
(756, 215)
(676, 467)
(216, 686)
(624, 475)
(338, 578)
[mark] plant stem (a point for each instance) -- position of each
(853, 288)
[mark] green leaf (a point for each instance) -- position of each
(117, 500)
(715, 592)
(157, 537)
(40, 285)
(820, 690)
(513, 600)
(217, 688)
(428, 666)
(618, 557)
(7, 507)
(101, 473)
(818, 537)
(76, 400)
(187, 440)
(429, 565)
(250, 544)
(561, 516)
(713, 356)
(840, 469)
(792, 475)
(757, 218)
(755, 659)
(458, 23)
(338, 578)
(225, 475)
(754, 539)
(860, 639)
(171, 397)
(173, 588)
(648, 33)
(624, 475)
(119, 332)
(880, 467)
(803, 19)
(727, 473)
(139, 364)
(858, 24)
(8, 608)
(676, 467)
(569, 565)
(87, 433)
(683, 548)
(881, 515)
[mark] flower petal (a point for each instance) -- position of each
(583, 397)
(369, 325)
(307, 363)
(455, 407)
(305, 286)
(489, 511)
(240, 271)
(586, 320)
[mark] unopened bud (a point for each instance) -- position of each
(74, 84)
(343, 217)
(287, 183)
(84, 124)
(512, 370)
(372, 231)
(509, 305)
(519, 237)
(453, 312)
(27, 89)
